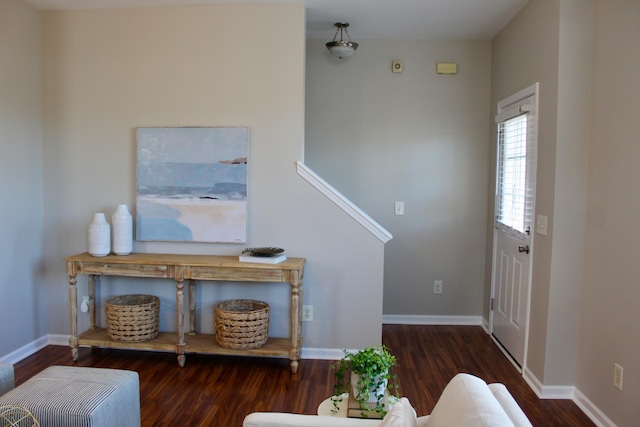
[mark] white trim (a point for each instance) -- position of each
(591, 410)
(503, 106)
(547, 391)
(486, 326)
(408, 319)
(322, 353)
(561, 392)
(532, 380)
(59, 339)
(508, 356)
(530, 91)
(343, 203)
(27, 350)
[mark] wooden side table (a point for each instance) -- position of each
(347, 407)
(326, 407)
(190, 269)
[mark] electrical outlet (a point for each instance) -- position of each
(84, 305)
(307, 313)
(437, 286)
(617, 376)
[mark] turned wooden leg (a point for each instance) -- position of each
(180, 320)
(192, 307)
(296, 320)
(91, 287)
(73, 310)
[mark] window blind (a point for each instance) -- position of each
(511, 188)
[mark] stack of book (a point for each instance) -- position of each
(263, 255)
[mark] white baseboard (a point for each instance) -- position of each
(591, 410)
(532, 380)
(485, 325)
(26, 350)
(406, 319)
(570, 393)
(58, 339)
(322, 353)
(547, 391)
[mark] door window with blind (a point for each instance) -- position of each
(513, 182)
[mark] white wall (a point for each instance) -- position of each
(23, 312)
(107, 72)
(416, 137)
(609, 329)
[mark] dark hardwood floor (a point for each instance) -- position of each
(221, 391)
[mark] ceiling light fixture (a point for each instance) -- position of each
(341, 48)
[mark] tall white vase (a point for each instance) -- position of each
(99, 236)
(122, 231)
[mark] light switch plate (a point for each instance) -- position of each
(396, 66)
(541, 225)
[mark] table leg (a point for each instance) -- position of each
(91, 287)
(180, 319)
(73, 310)
(296, 320)
(192, 307)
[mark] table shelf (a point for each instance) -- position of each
(199, 343)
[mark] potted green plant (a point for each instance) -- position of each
(369, 380)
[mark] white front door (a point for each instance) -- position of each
(512, 240)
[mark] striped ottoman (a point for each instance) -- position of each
(65, 396)
(6, 377)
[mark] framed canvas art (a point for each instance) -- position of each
(192, 184)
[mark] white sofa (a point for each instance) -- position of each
(467, 401)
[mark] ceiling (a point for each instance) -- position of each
(369, 19)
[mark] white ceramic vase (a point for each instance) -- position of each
(99, 236)
(370, 396)
(122, 231)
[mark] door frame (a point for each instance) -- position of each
(532, 90)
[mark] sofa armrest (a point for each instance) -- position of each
(6, 377)
(422, 421)
(278, 419)
(509, 405)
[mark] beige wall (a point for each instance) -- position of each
(107, 72)
(22, 306)
(584, 294)
(609, 329)
(416, 137)
(558, 57)
(572, 149)
(519, 60)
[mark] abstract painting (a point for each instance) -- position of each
(192, 184)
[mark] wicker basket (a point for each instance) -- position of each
(17, 416)
(241, 324)
(132, 318)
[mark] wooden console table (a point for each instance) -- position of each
(183, 268)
